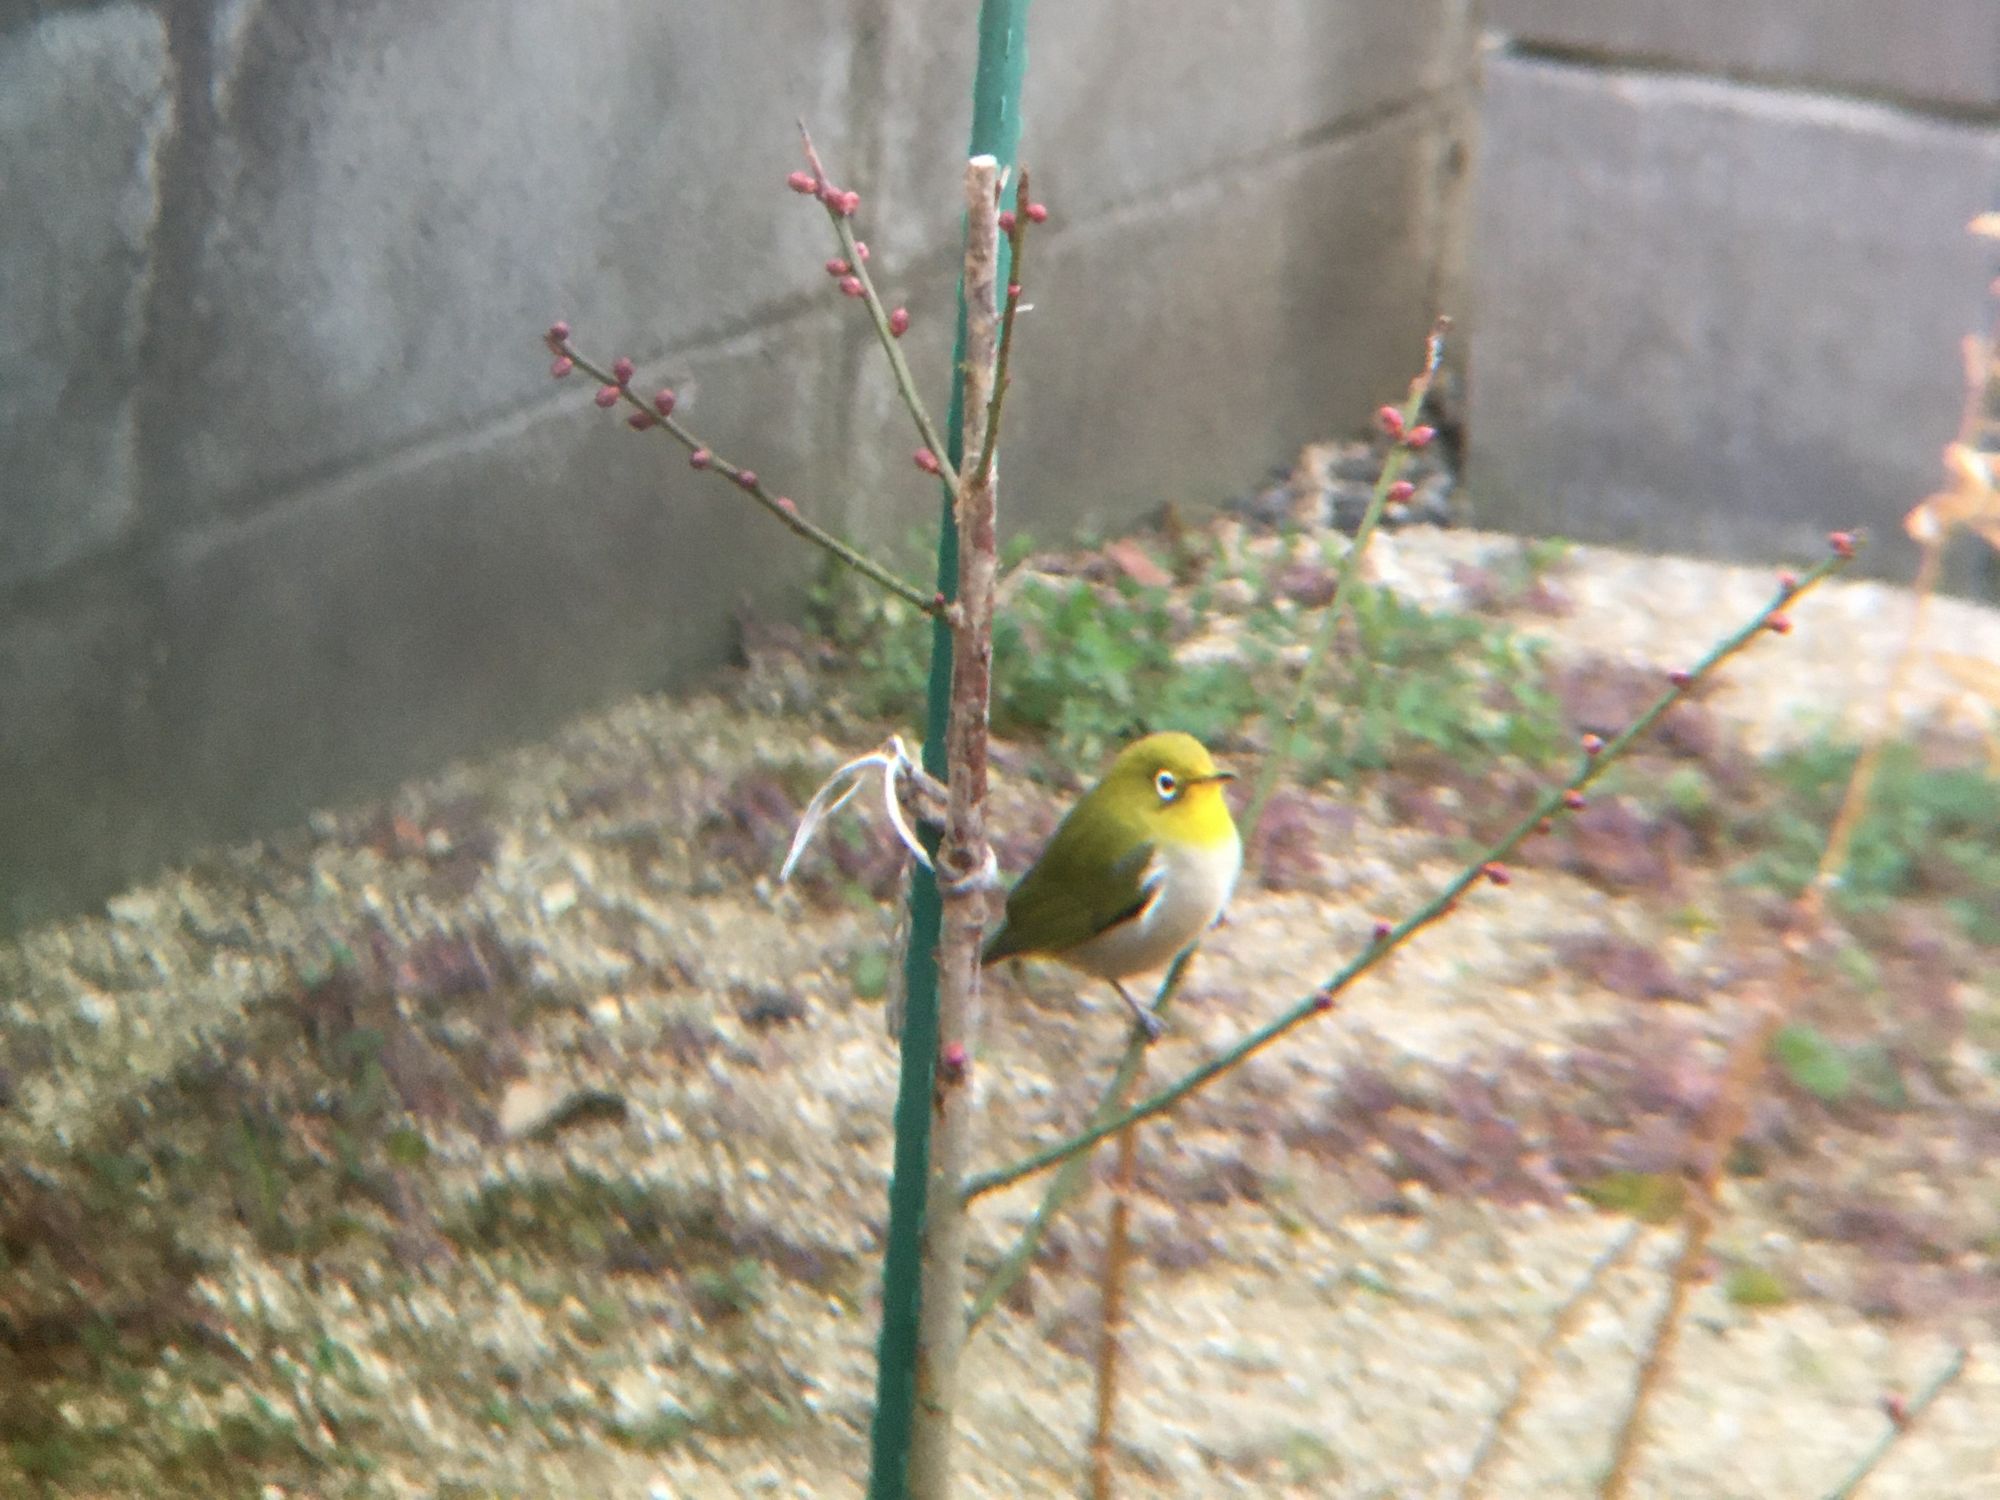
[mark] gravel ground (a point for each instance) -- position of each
(520, 1137)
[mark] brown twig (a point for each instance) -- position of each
(965, 871)
(1724, 1124)
(1902, 1421)
(1111, 1315)
(1062, 1187)
(1017, 245)
(781, 506)
(1536, 1365)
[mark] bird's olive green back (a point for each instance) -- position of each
(1080, 886)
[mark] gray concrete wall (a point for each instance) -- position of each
(288, 508)
(1722, 268)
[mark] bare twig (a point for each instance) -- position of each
(965, 861)
(1724, 1124)
(850, 249)
(1062, 1187)
(1536, 1365)
(1017, 244)
(1111, 1316)
(1283, 727)
(1901, 1422)
(1487, 867)
(781, 506)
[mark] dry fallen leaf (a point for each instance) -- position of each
(1136, 564)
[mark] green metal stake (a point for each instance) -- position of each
(996, 132)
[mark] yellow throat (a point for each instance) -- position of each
(1138, 870)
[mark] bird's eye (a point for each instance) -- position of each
(1166, 785)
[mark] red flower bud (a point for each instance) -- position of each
(1497, 873)
(850, 286)
(837, 267)
(1420, 437)
(927, 461)
(1323, 1001)
(558, 332)
(639, 421)
(786, 504)
(699, 459)
(1680, 677)
(1779, 624)
(1006, 221)
(1592, 743)
(844, 204)
(1382, 931)
(622, 370)
(1038, 213)
(802, 182)
(562, 366)
(1391, 421)
(1842, 543)
(1400, 492)
(899, 322)
(1014, 290)
(607, 395)
(1788, 581)
(861, 249)
(663, 402)
(746, 477)
(1574, 800)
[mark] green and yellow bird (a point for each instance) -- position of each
(1139, 869)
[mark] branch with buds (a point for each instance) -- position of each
(1598, 755)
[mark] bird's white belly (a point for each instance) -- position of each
(1193, 887)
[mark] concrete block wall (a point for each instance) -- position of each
(288, 507)
(1722, 268)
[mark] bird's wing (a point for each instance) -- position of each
(1066, 898)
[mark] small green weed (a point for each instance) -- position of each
(1406, 677)
(1091, 666)
(1928, 832)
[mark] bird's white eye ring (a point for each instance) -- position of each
(1166, 786)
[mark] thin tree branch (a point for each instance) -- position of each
(781, 506)
(1901, 1423)
(1536, 1365)
(1599, 756)
(1283, 728)
(1111, 1316)
(1017, 244)
(850, 250)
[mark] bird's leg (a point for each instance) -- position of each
(1149, 1023)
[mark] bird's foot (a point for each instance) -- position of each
(1149, 1021)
